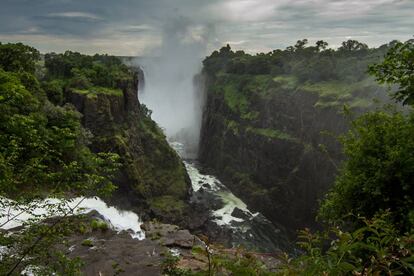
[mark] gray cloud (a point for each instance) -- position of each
(136, 27)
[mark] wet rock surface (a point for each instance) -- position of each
(117, 254)
(106, 252)
(170, 235)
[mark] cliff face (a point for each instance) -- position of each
(152, 180)
(263, 137)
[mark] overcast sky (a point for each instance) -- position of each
(138, 27)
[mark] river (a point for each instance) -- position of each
(230, 219)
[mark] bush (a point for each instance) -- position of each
(378, 174)
(99, 225)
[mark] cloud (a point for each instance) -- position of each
(74, 15)
(137, 28)
(262, 24)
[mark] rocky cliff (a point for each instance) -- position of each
(153, 180)
(272, 140)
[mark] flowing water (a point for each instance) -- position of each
(13, 215)
(230, 217)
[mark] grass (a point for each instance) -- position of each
(99, 225)
(233, 126)
(286, 81)
(361, 103)
(235, 100)
(168, 204)
(237, 89)
(87, 242)
(96, 90)
(271, 133)
(336, 94)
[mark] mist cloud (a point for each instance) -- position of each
(171, 90)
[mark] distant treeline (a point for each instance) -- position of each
(308, 63)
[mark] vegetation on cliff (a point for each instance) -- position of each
(271, 119)
(334, 75)
(104, 90)
(84, 74)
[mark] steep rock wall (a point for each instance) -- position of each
(152, 179)
(274, 146)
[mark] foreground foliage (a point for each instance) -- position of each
(379, 171)
(397, 68)
(43, 153)
(375, 248)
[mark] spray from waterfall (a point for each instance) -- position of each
(172, 90)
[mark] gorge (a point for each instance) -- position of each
(199, 165)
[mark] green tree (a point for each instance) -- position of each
(398, 68)
(378, 174)
(352, 45)
(42, 146)
(18, 57)
(300, 44)
(321, 45)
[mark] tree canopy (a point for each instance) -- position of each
(397, 68)
(378, 174)
(309, 63)
(18, 57)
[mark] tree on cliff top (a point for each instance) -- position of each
(18, 57)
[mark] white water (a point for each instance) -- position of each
(210, 183)
(198, 179)
(12, 216)
(221, 216)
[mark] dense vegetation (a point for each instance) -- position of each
(43, 153)
(43, 146)
(331, 73)
(82, 73)
(309, 63)
(151, 170)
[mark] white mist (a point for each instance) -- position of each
(171, 92)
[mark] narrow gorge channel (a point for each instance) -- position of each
(179, 112)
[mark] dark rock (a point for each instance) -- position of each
(181, 238)
(170, 235)
(117, 254)
(239, 213)
(206, 186)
